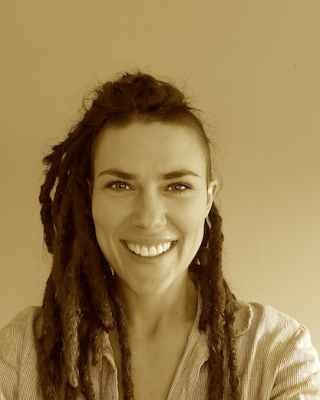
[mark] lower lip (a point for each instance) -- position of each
(148, 260)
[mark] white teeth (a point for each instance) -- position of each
(137, 249)
(149, 251)
(144, 252)
(152, 252)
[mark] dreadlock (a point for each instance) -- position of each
(80, 301)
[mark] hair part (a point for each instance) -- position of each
(80, 302)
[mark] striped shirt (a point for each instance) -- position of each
(276, 359)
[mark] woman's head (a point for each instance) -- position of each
(150, 192)
(145, 128)
(134, 108)
(149, 131)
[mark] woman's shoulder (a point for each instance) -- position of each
(18, 354)
(251, 316)
(27, 315)
(24, 325)
(269, 331)
(276, 347)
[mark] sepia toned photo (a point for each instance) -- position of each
(160, 219)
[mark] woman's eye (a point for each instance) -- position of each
(117, 186)
(179, 187)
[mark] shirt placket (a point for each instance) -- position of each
(195, 355)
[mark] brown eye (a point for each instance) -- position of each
(179, 187)
(117, 186)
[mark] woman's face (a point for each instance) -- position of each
(149, 202)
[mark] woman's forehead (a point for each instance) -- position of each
(155, 146)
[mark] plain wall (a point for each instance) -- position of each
(252, 66)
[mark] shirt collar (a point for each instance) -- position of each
(243, 316)
(197, 344)
(243, 312)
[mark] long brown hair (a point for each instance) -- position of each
(80, 301)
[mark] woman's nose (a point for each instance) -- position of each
(149, 211)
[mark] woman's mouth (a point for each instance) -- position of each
(144, 250)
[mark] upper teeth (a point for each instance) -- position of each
(149, 251)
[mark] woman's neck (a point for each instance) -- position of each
(150, 316)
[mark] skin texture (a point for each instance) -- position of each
(149, 209)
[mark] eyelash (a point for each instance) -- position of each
(119, 182)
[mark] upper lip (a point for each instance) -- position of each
(150, 241)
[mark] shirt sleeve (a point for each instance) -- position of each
(9, 362)
(298, 375)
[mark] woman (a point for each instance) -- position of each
(136, 302)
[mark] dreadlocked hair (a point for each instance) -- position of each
(80, 303)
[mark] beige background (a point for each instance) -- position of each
(252, 66)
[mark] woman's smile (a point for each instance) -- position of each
(144, 250)
(140, 256)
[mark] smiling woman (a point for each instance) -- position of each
(151, 209)
(136, 305)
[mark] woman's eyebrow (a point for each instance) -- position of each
(178, 174)
(119, 173)
(126, 175)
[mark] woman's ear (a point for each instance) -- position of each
(212, 190)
